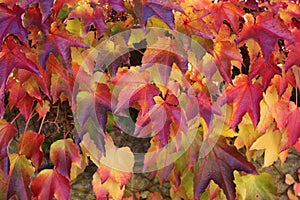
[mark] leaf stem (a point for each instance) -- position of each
(25, 129)
(16, 117)
(41, 125)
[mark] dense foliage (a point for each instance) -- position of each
(211, 85)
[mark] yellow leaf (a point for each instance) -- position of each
(270, 141)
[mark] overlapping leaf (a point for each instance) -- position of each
(12, 57)
(218, 166)
(19, 177)
(270, 28)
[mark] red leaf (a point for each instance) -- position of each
(162, 120)
(161, 9)
(135, 88)
(59, 43)
(218, 166)
(266, 71)
(32, 150)
(293, 124)
(11, 22)
(19, 177)
(270, 28)
(63, 153)
(293, 56)
(244, 97)
(49, 183)
(7, 132)
(165, 53)
(90, 16)
(12, 57)
(229, 11)
(25, 106)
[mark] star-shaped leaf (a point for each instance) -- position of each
(161, 9)
(11, 22)
(270, 28)
(244, 96)
(218, 166)
(58, 43)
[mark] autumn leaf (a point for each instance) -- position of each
(229, 11)
(164, 53)
(19, 177)
(32, 150)
(244, 97)
(161, 9)
(111, 55)
(58, 42)
(293, 126)
(135, 87)
(225, 54)
(90, 16)
(12, 57)
(43, 108)
(266, 71)
(293, 48)
(49, 183)
(270, 28)
(11, 22)
(255, 186)
(7, 132)
(63, 153)
(103, 103)
(271, 147)
(218, 166)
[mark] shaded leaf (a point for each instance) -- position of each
(218, 166)
(19, 177)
